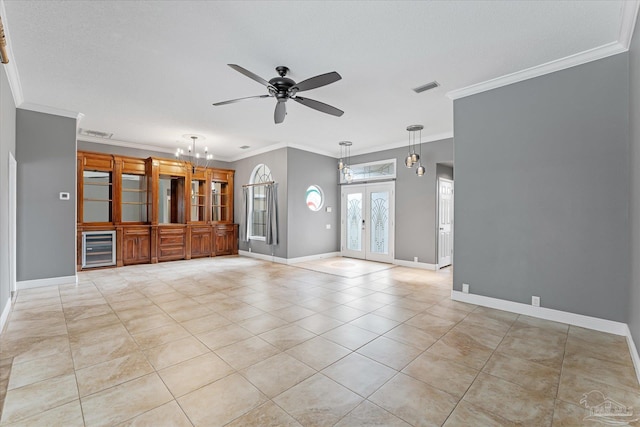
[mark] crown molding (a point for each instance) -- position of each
(137, 146)
(404, 143)
(629, 15)
(50, 110)
(259, 151)
(273, 147)
(126, 144)
(540, 70)
(314, 150)
(11, 68)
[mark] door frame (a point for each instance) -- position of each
(366, 190)
(438, 266)
(13, 206)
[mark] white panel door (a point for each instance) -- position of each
(368, 221)
(445, 222)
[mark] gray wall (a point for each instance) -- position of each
(7, 145)
(416, 200)
(542, 190)
(307, 230)
(46, 229)
(134, 152)
(634, 114)
(276, 161)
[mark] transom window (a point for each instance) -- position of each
(372, 171)
(258, 208)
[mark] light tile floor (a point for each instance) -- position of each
(241, 342)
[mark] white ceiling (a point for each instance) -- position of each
(148, 71)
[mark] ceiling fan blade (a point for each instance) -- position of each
(250, 75)
(320, 106)
(281, 111)
(318, 81)
(241, 99)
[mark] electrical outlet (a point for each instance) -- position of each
(465, 288)
(328, 226)
(415, 259)
(535, 301)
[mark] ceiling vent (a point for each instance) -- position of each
(95, 133)
(244, 147)
(432, 85)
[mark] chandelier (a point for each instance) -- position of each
(415, 131)
(192, 155)
(345, 160)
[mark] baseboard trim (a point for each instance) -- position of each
(5, 314)
(412, 264)
(313, 257)
(595, 323)
(635, 357)
(263, 257)
(287, 260)
(50, 281)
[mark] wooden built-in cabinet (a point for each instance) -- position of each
(160, 209)
(226, 238)
(136, 245)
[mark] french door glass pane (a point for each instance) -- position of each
(354, 221)
(379, 228)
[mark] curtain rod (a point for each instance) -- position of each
(259, 183)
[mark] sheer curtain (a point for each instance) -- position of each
(271, 195)
(244, 216)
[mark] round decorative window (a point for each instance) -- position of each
(315, 198)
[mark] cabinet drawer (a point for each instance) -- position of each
(200, 230)
(136, 231)
(171, 240)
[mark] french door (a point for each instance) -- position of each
(368, 221)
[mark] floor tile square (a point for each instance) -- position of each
(245, 353)
(389, 352)
(221, 401)
(276, 374)
(413, 401)
(318, 401)
(359, 373)
(350, 336)
(318, 352)
(194, 373)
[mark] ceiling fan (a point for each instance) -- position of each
(283, 88)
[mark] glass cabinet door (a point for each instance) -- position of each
(134, 198)
(198, 200)
(219, 202)
(97, 196)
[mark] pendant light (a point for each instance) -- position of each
(415, 131)
(345, 160)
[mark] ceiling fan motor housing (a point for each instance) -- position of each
(282, 83)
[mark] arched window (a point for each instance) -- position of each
(258, 208)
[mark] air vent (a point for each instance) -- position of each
(434, 84)
(244, 147)
(95, 133)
